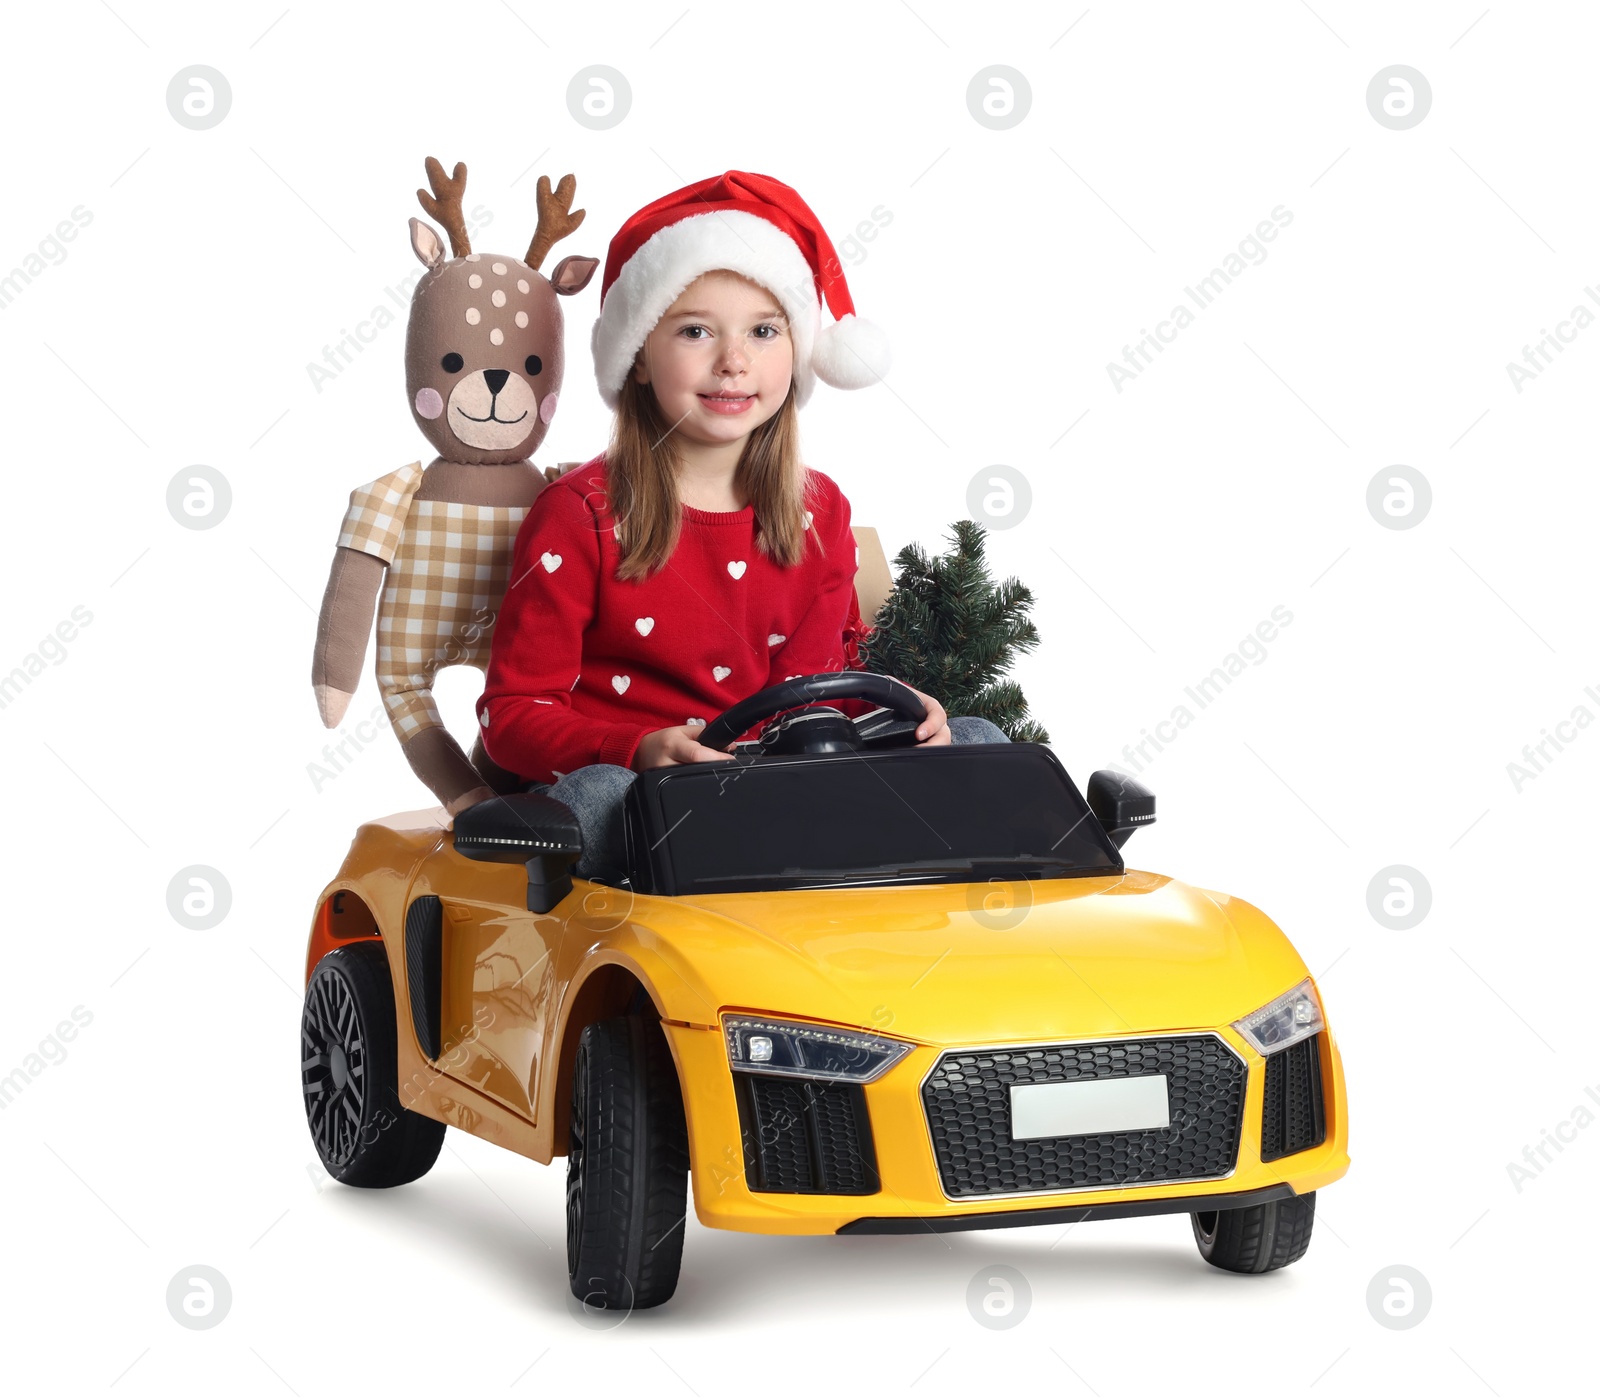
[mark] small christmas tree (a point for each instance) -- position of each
(950, 631)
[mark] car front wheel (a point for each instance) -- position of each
(627, 1167)
(1260, 1238)
(363, 1135)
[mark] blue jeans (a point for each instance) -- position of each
(595, 793)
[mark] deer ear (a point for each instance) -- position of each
(425, 243)
(572, 274)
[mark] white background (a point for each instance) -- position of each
(1231, 477)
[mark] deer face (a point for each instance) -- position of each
(484, 358)
(484, 345)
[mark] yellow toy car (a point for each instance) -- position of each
(846, 986)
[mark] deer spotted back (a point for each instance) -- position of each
(484, 355)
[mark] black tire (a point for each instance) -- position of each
(627, 1167)
(363, 1135)
(1261, 1238)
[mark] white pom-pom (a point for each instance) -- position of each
(851, 353)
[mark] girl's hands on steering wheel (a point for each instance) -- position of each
(674, 747)
(932, 731)
(681, 745)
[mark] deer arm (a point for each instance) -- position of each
(440, 764)
(343, 626)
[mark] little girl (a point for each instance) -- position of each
(696, 561)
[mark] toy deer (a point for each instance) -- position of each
(484, 362)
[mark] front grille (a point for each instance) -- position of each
(803, 1136)
(1292, 1117)
(967, 1100)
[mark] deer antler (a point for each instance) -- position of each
(444, 203)
(556, 218)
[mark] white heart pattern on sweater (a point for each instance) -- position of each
(551, 561)
(720, 672)
(736, 570)
(645, 624)
(696, 722)
(620, 682)
(808, 519)
(776, 639)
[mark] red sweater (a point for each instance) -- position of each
(581, 666)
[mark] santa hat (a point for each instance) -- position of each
(745, 223)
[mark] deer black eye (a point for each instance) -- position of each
(451, 363)
(533, 365)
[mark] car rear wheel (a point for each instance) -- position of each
(1259, 1238)
(627, 1167)
(363, 1135)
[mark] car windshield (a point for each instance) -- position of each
(958, 814)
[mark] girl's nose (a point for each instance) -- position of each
(731, 359)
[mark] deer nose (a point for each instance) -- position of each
(496, 378)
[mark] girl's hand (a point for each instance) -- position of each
(675, 747)
(932, 731)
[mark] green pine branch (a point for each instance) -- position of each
(949, 630)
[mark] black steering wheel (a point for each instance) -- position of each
(815, 727)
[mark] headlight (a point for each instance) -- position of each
(1284, 1022)
(790, 1049)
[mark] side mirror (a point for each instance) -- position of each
(524, 828)
(1121, 804)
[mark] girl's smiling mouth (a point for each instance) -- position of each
(728, 404)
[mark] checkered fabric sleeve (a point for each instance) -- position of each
(444, 587)
(377, 515)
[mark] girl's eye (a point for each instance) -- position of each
(698, 332)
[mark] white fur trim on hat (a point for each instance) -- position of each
(657, 274)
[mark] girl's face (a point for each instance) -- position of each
(719, 360)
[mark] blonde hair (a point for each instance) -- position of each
(642, 483)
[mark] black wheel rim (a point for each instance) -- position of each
(580, 1084)
(333, 1064)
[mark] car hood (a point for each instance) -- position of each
(976, 963)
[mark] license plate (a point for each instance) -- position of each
(1044, 1110)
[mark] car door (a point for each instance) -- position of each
(480, 975)
(497, 977)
